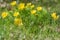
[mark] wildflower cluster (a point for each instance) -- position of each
(28, 11)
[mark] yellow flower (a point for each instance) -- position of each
(33, 11)
(13, 3)
(18, 21)
(28, 4)
(32, 6)
(4, 14)
(55, 16)
(16, 14)
(21, 6)
(39, 8)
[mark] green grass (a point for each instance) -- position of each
(11, 32)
